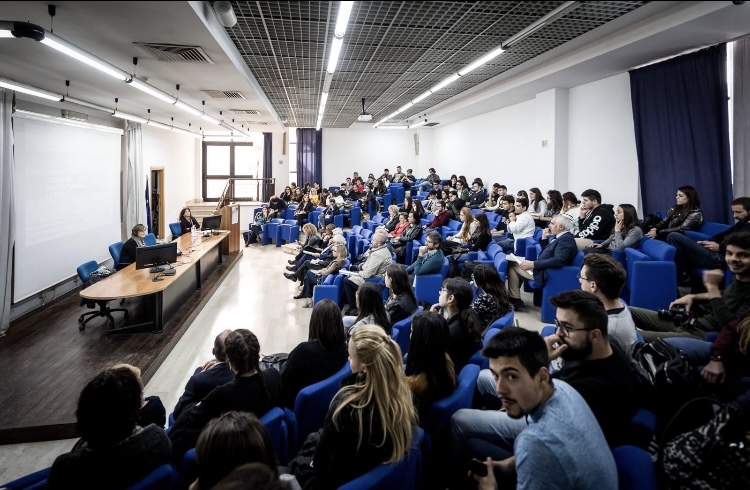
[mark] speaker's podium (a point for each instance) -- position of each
(230, 220)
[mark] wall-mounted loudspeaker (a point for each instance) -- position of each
(416, 144)
(283, 144)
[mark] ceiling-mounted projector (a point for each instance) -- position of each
(364, 116)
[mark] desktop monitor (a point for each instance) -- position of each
(155, 255)
(211, 222)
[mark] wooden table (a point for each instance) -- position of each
(191, 269)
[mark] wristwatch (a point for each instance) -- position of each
(716, 359)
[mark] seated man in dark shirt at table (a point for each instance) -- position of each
(214, 373)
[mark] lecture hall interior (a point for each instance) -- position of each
(114, 114)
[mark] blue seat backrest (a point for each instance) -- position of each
(175, 229)
(441, 411)
(712, 228)
(114, 250)
(657, 249)
(162, 478)
(365, 233)
(149, 239)
(311, 405)
(635, 470)
(538, 234)
(86, 269)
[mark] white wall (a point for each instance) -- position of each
(601, 151)
(370, 151)
(497, 146)
(180, 155)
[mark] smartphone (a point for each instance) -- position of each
(478, 467)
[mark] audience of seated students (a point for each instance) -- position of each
(480, 237)
(410, 179)
(313, 276)
(685, 215)
(441, 217)
(252, 390)
(304, 208)
(230, 441)
(492, 301)
(464, 326)
(314, 197)
(403, 222)
(626, 232)
(555, 426)
(554, 207)
(493, 198)
(378, 257)
(537, 204)
(455, 204)
(328, 213)
(723, 308)
(212, 374)
(256, 229)
(467, 224)
(386, 176)
(187, 221)
(315, 261)
(277, 206)
(127, 254)
(507, 205)
(429, 369)
(398, 176)
(287, 195)
(430, 259)
(595, 220)
(428, 181)
(418, 210)
(320, 357)
(520, 224)
(370, 310)
(401, 302)
(554, 255)
(412, 232)
(478, 195)
(522, 193)
(462, 191)
(113, 452)
(709, 254)
(393, 218)
(605, 277)
(371, 420)
(297, 196)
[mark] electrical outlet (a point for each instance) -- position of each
(544, 143)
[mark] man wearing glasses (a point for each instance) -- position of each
(597, 371)
(430, 258)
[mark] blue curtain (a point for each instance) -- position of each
(309, 156)
(682, 131)
(267, 162)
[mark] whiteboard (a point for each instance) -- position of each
(67, 183)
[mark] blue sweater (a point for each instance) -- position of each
(430, 265)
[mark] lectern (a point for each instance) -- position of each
(230, 220)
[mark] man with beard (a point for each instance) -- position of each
(561, 447)
(598, 371)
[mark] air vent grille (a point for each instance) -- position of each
(223, 94)
(429, 125)
(247, 112)
(76, 116)
(175, 52)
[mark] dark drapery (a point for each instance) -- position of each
(267, 162)
(681, 123)
(309, 156)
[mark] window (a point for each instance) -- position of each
(222, 161)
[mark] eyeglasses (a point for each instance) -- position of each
(567, 330)
(581, 278)
(443, 290)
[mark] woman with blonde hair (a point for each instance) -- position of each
(466, 229)
(127, 254)
(371, 419)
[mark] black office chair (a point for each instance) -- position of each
(84, 271)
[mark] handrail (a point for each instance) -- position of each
(227, 195)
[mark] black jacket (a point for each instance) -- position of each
(679, 223)
(598, 224)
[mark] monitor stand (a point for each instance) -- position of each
(157, 268)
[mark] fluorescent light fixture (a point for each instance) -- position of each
(225, 139)
(28, 89)
(130, 117)
(73, 51)
(445, 82)
(333, 58)
(481, 61)
(345, 9)
(323, 100)
(6, 33)
(152, 91)
(66, 122)
(187, 108)
(420, 123)
(422, 97)
(393, 127)
(211, 119)
(158, 125)
(408, 104)
(184, 131)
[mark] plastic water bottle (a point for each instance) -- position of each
(194, 235)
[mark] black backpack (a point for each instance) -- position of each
(649, 221)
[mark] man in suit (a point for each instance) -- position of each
(214, 373)
(555, 254)
(327, 215)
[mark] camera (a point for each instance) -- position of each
(676, 314)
